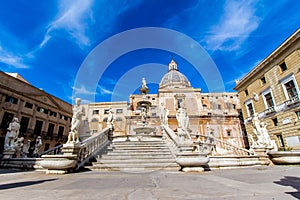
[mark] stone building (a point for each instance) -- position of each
(218, 111)
(271, 90)
(39, 113)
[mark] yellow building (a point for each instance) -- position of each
(271, 90)
(39, 113)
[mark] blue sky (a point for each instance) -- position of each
(49, 42)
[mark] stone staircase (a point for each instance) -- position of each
(135, 156)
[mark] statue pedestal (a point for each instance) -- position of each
(261, 151)
(71, 148)
(8, 153)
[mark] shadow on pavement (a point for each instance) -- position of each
(293, 182)
(23, 184)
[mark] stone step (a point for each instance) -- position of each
(136, 148)
(120, 166)
(137, 151)
(143, 156)
(137, 145)
(137, 160)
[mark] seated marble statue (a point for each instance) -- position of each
(12, 134)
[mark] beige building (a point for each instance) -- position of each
(218, 111)
(271, 89)
(39, 113)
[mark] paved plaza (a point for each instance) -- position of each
(275, 182)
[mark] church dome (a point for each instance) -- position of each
(174, 79)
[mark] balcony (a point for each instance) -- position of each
(270, 110)
(292, 101)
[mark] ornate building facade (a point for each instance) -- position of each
(39, 113)
(271, 90)
(219, 112)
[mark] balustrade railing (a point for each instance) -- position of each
(215, 145)
(292, 100)
(205, 144)
(92, 145)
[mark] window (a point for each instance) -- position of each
(119, 111)
(280, 140)
(95, 112)
(54, 114)
(179, 103)
(219, 107)
(42, 110)
(275, 121)
(290, 88)
(228, 131)
(106, 111)
(298, 114)
(24, 124)
(268, 100)
(263, 80)
(60, 131)
(246, 92)
(233, 106)
(204, 107)
(28, 105)
(283, 67)
(153, 98)
(11, 100)
(63, 117)
(249, 108)
(50, 130)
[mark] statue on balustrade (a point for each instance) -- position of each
(110, 119)
(183, 124)
(78, 112)
(164, 115)
(12, 134)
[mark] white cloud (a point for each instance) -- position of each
(83, 90)
(237, 22)
(12, 60)
(104, 91)
(74, 17)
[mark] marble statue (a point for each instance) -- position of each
(183, 124)
(38, 144)
(182, 118)
(12, 134)
(164, 115)
(144, 115)
(261, 133)
(268, 141)
(110, 119)
(78, 112)
(26, 149)
(19, 147)
(144, 84)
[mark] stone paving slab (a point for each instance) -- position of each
(274, 182)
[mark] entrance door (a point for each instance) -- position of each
(7, 118)
(38, 127)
